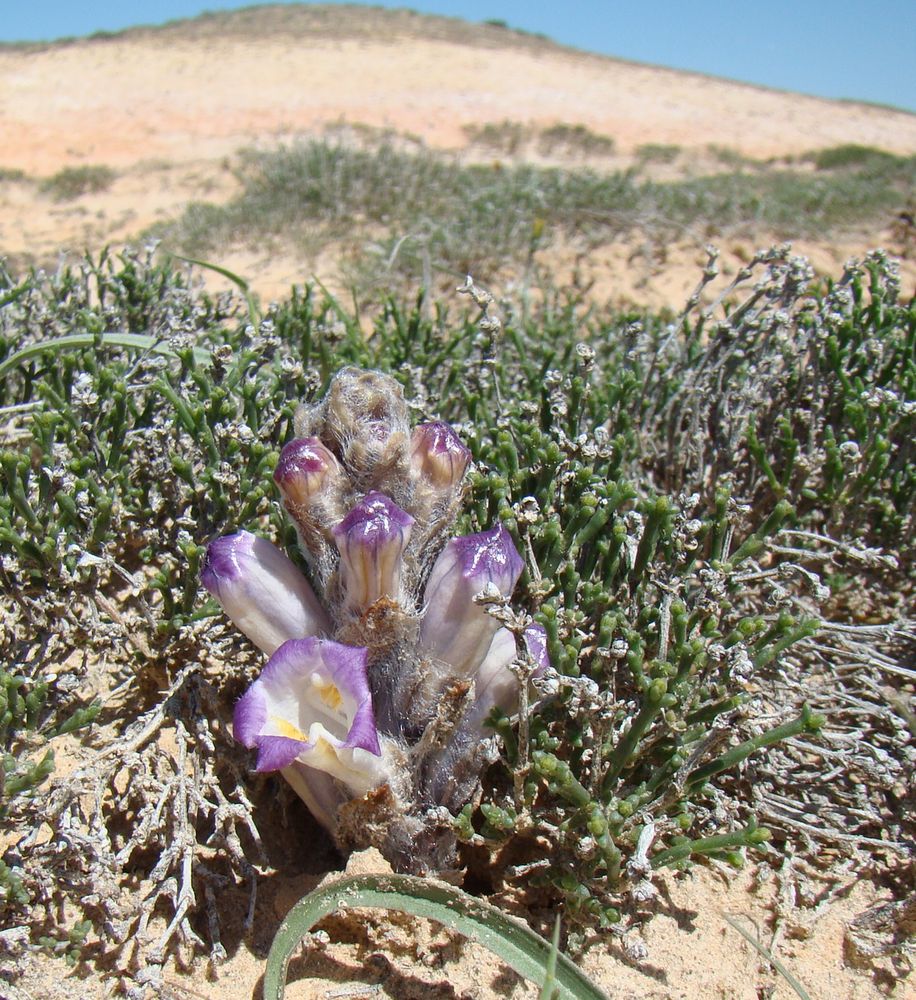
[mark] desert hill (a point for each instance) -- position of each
(167, 108)
(195, 86)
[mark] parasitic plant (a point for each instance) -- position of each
(374, 701)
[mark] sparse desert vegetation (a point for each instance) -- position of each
(708, 495)
(422, 215)
(74, 182)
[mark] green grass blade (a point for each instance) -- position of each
(549, 989)
(517, 945)
(254, 314)
(132, 341)
(769, 956)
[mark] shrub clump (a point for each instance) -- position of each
(73, 182)
(713, 510)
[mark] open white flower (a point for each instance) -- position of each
(311, 711)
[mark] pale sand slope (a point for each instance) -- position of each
(168, 109)
(125, 99)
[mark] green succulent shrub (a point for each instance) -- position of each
(673, 481)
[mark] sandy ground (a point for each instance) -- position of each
(685, 950)
(169, 111)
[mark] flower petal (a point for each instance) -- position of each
(261, 590)
(318, 790)
(455, 629)
(496, 684)
(535, 637)
(312, 705)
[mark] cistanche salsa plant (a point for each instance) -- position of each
(374, 702)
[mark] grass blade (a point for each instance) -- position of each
(517, 945)
(769, 956)
(132, 341)
(549, 989)
(254, 314)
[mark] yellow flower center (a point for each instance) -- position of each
(288, 730)
(330, 695)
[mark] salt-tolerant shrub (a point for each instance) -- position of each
(687, 538)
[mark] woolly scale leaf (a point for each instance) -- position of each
(517, 945)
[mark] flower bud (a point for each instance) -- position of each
(306, 468)
(438, 455)
(366, 419)
(314, 485)
(496, 684)
(455, 630)
(260, 589)
(371, 540)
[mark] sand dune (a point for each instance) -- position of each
(170, 94)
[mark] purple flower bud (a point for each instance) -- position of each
(261, 590)
(438, 455)
(311, 709)
(455, 629)
(495, 684)
(305, 467)
(371, 540)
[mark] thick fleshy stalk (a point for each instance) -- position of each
(371, 540)
(496, 685)
(311, 706)
(260, 589)
(457, 633)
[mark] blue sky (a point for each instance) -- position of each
(832, 48)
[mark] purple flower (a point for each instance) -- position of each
(374, 699)
(261, 590)
(438, 455)
(495, 684)
(371, 540)
(304, 468)
(311, 709)
(455, 630)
